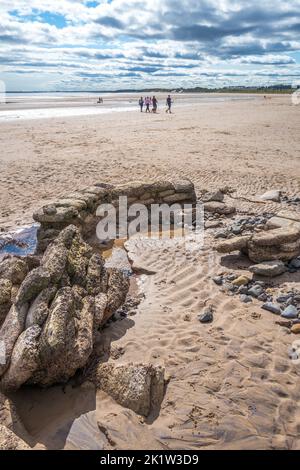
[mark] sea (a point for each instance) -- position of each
(46, 105)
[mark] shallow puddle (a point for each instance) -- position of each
(51, 415)
(21, 242)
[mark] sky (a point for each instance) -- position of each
(64, 45)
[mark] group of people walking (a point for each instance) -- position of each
(149, 102)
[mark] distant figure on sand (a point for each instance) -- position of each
(147, 103)
(154, 104)
(100, 100)
(141, 103)
(169, 104)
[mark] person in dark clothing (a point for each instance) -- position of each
(169, 104)
(154, 104)
(141, 103)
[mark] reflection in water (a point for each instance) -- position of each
(22, 242)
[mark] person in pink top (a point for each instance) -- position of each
(147, 103)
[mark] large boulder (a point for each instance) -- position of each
(220, 208)
(233, 244)
(281, 242)
(268, 268)
(276, 237)
(139, 387)
(13, 271)
(50, 330)
(24, 359)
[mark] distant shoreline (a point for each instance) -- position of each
(255, 90)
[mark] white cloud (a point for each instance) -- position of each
(134, 42)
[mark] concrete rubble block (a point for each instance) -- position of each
(148, 202)
(213, 196)
(100, 307)
(96, 276)
(36, 281)
(54, 261)
(10, 331)
(219, 208)
(99, 191)
(177, 197)
(14, 269)
(163, 194)
(139, 387)
(62, 215)
(274, 195)
(5, 291)
(291, 247)
(269, 268)
(49, 333)
(118, 287)
(280, 222)
(4, 309)
(39, 309)
(24, 359)
(276, 237)
(258, 254)
(184, 186)
(233, 244)
(47, 233)
(78, 204)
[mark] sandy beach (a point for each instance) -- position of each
(231, 383)
(249, 145)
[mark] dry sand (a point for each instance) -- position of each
(249, 145)
(232, 384)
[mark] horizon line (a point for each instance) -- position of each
(158, 89)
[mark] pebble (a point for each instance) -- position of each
(291, 270)
(295, 263)
(243, 290)
(206, 317)
(255, 291)
(221, 234)
(212, 224)
(263, 297)
(282, 299)
(273, 308)
(236, 229)
(296, 329)
(268, 268)
(231, 277)
(241, 281)
(293, 354)
(229, 287)
(290, 312)
(218, 280)
(272, 195)
(246, 299)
